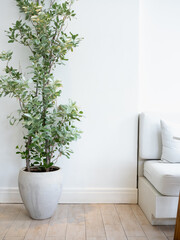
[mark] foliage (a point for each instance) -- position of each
(50, 128)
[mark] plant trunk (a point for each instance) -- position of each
(47, 155)
(47, 147)
(27, 165)
(28, 155)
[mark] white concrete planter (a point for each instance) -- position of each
(40, 192)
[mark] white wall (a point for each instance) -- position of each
(159, 48)
(102, 76)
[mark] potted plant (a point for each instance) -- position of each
(49, 127)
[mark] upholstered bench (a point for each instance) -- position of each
(158, 180)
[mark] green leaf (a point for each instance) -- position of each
(27, 115)
(36, 162)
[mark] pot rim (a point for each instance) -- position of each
(51, 172)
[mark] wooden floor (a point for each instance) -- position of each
(81, 222)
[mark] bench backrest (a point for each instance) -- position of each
(150, 143)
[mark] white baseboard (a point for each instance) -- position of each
(10, 195)
(80, 195)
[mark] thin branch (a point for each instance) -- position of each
(36, 90)
(56, 37)
(52, 152)
(27, 44)
(20, 103)
(52, 2)
(59, 155)
(30, 48)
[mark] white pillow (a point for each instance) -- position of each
(170, 142)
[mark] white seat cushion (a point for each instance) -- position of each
(164, 176)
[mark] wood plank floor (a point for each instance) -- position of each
(81, 222)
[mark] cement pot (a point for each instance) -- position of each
(40, 192)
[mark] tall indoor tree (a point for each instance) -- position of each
(49, 127)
